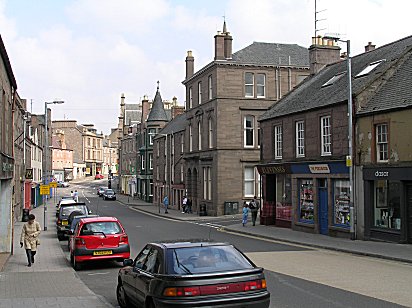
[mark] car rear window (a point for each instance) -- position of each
(66, 210)
(207, 259)
(106, 227)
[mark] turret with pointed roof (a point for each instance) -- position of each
(157, 113)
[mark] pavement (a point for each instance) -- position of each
(383, 250)
(50, 281)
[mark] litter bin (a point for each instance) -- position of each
(202, 210)
(25, 216)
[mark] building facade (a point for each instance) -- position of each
(62, 158)
(224, 100)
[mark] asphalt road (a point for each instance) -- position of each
(286, 290)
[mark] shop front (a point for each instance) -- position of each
(388, 203)
(310, 197)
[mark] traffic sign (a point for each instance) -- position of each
(53, 184)
(44, 189)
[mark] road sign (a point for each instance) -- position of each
(44, 189)
(53, 184)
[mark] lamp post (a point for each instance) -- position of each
(45, 171)
(349, 158)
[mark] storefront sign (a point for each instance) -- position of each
(273, 169)
(8, 167)
(319, 168)
(44, 189)
(388, 173)
(29, 174)
(382, 174)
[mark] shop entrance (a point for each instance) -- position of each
(323, 206)
(409, 206)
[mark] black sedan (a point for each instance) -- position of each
(109, 194)
(191, 273)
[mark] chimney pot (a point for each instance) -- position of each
(369, 47)
(190, 64)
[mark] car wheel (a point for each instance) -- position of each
(60, 237)
(149, 303)
(121, 296)
(76, 265)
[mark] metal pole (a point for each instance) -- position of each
(45, 171)
(350, 146)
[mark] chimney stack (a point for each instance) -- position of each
(219, 46)
(321, 53)
(190, 64)
(145, 109)
(369, 47)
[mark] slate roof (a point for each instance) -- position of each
(272, 54)
(157, 113)
(133, 114)
(176, 125)
(7, 65)
(311, 93)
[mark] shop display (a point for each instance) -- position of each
(306, 200)
(342, 209)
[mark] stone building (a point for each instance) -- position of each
(62, 157)
(8, 87)
(110, 157)
(223, 102)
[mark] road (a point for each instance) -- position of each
(297, 276)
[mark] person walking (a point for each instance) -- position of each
(76, 196)
(72, 194)
(189, 206)
(254, 207)
(30, 238)
(245, 213)
(166, 203)
(184, 204)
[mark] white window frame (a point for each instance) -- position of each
(209, 183)
(143, 162)
(199, 135)
(199, 92)
(190, 138)
(210, 133)
(152, 134)
(300, 139)
(250, 84)
(151, 161)
(249, 180)
(190, 97)
(247, 129)
(182, 143)
(326, 136)
(210, 87)
(382, 143)
(278, 132)
(204, 183)
(261, 85)
(181, 173)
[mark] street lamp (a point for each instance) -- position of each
(45, 171)
(349, 158)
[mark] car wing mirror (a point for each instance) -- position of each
(70, 232)
(90, 212)
(127, 262)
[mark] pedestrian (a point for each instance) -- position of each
(76, 196)
(184, 204)
(245, 213)
(189, 206)
(72, 194)
(30, 238)
(253, 205)
(166, 203)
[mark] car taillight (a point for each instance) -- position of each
(123, 239)
(79, 242)
(59, 221)
(226, 288)
(187, 291)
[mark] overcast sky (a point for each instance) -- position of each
(88, 52)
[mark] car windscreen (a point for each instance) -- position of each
(109, 192)
(66, 210)
(99, 227)
(206, 259)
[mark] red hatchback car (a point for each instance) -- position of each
(98, 238)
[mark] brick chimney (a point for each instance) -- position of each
(145, 109)
(219, 46)
(369, 47)
(190, 64)
(321, 53)
(227, 42)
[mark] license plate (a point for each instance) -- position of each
(65, 222)
(102, 253)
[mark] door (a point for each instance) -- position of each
(323, 206)
(409, 209)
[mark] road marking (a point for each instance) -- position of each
(94, 274)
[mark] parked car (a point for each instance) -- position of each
(98, 238)
(191, 274)
(62, 184)
(62, 222)
(109, 194)
(74, 221)
(101, 190)
(69, 200)
(98, 176)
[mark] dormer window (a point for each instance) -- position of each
(369, 68)
(333, 79)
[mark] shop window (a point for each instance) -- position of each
(387, 204)
(341, 195)
(283, 197)
(306, 208)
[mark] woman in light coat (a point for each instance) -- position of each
(30, 238)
